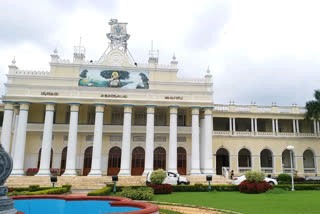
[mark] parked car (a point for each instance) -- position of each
(238, 180)
(313, 178)
(172, 178)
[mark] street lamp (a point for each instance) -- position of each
(114, 180)
(209, 178)
(290, 148)
(53, 180)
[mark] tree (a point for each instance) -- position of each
(313, 107)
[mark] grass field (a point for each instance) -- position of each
(298, 202)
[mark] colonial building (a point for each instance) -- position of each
(117, 116)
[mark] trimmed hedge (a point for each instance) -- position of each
(161, 189)
(100, 192)
(22, 189)
(254, 187)
(142, 193)
(53, 191)
(299, 186)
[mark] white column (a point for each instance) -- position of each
(46, 141)
(18, 160)
(255, 124)
(16, 120)
(273, 126)
(277, 126)
(297, 126)
(149, 139)
(252, 125)
(318, 127)
(195, 152)
(173, 155)
(314, 126)
(126, 139)
(294, 126)
(234, 124)
(97, 142)
(72, 141)
(230, 125)
(202, 140)
(208, 161)
(7, 125)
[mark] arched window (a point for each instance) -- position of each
(114, 160)
(286, 163)
(222, 160)
(39, 158)
(87, 161)
(137, 164)
(266, 159)
(244, 158)
(63, 160)
(182, 161)
(308, 161)
(159, 158)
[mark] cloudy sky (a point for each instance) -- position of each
(258, 50)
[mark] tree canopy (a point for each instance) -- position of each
(313, 107)
(83, 73)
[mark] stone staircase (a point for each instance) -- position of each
(97, 182)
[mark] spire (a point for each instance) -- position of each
(208, 75)
(13, 60)
(118, 35)
(174, 62)
(13, 68)
(54, 56)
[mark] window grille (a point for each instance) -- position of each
(117, 118)
(65, 138)
(89, 138)
(182, 139)
(160, 139)
(115, 138)
(139, 138)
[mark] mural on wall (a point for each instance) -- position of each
(114, 78)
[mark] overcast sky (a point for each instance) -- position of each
(258, 50)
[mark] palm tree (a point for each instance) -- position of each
(313, 107)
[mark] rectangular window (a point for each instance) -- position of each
(115, 138)
(117, 118)
(161, 118)
(160, 139)
(139, 138)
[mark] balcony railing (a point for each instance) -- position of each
(286, 134)
(267, 169)
(287, 170)
(223, 133)
(243, 133)
(265, 133)
(244, 169)
(309, 170)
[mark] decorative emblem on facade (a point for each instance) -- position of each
(5, 165)
(118, 34)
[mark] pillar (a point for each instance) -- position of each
(252, 125)
(277, 167)
(208, 162)
(16, 120)
(72, 141)
(47, 140)
(149, 139)
(18, 160)
(230, 125)
(202, 137)
(126, 139)
(195, 152)
(297, 126)
(294, 126)
(255, 124)
(173, 139)
(273, 126)
(7, 125)
(277, 126)
(97, 141)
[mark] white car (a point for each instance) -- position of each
(172, 178)
(238, 180)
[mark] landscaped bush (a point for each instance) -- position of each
(142, 193)
(119, 188)
(254, 176)
(100, 192)
(253, 187)
(54, 191)
(203, 188)
(33, 188)
(284, 178)
(161, 189)
(158, 176)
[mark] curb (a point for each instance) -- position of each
(194, 206)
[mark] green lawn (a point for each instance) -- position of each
(298, 202)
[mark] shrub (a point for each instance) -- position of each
(254, 176)
(53, 191)
(142, 193)
(203, 188)
(100, 192)
(161, 189)
(33, 188)
(158, 176)
(284, 178)
(67, 186)
(253, 187)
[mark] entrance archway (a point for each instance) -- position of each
(182, 161)
(114, 161)
(159, 158)
(222, 160)
(137, 164)
(39, 158)
(63, 160)
(87, 161)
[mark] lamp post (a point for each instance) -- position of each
(53, 180)
(114, 179)
(290, 148)
(209, 178)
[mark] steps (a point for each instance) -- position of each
(97, 182)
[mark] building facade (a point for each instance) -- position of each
(116, 116)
